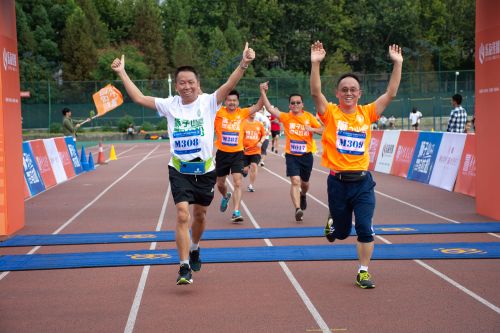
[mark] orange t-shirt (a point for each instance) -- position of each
(346, 138)
(228, 129)
(298, 140)
(253, 131)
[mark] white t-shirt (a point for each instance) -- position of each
(190, 126)
(414, 117)
(265, 121)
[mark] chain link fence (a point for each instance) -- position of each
(429, 92)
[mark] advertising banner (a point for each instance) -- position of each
(424, 156)
(73, 154)
(43, 162)
(404, 153)
(466, 178)
(62, 149)
(374, 147)
(31, 172)
(55, 161)
(445, 169)
(387, 151)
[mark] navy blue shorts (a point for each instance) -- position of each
(344, 198)
(249, 159)
(299, 165)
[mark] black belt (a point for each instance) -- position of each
(349, 176)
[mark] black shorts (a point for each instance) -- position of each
(275, 133)
(248, 159)
(299, 165)
(195, 189)
(264, 147)
(226, 163)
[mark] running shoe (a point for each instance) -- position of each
(261, 164)
(299, 215)
(185, 275)
(244, 174)
(225, 202)
(329, 229)
(363, 280)
(194, 260)
(236, 217)
(303, 201)
(250, 188)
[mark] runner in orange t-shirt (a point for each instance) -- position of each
(229, 143)
(254, 135)
(297, 125)
(346, 141)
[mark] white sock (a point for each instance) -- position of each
(363, 268)
(185, 262)
(194, 247)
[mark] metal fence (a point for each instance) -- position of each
(430, 92)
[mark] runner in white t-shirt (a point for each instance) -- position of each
(190, 117)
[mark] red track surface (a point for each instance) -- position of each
(411, 296)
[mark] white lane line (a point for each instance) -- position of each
(419, 262)
(305, 299)
(74, 217)
(129, 328)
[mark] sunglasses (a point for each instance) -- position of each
(295, 103)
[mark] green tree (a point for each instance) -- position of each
(78, 65)
(98, 30)
(136, 68)
(184, 50)
(217, 61)
(147, 33)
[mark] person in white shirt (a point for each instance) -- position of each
(261, 116)
(415, 116)
(190, 116)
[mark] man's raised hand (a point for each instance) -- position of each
(118, 65)
(396, 53)
(248, 54)
(318, 53)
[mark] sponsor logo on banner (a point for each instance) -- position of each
(489, 51)
(55, 161)
(31, 172)
(73, 153)
(9, 60)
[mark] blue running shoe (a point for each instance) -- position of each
(236, 217)
(185, 275)
(225, 202)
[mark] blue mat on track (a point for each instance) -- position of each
(169, 236)
(251, 254)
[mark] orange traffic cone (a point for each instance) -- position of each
(112, 154)
(100, 158)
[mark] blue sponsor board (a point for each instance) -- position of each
(31, 172)
(73, 154)
(424, 156)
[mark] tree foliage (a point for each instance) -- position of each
(80, 36)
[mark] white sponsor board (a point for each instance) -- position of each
(55, 160)
(386, 151)
(447, 162)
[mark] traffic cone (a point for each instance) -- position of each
(91, 165)
(83, 160)
(112, 154)
(100, 158)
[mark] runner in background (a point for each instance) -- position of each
(190, 116)
(254, 135)
(298, 156)
(346, 142)
(229, 156)
(262, 117)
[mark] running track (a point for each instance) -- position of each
(133, 194)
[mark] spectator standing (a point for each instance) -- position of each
(458, 116)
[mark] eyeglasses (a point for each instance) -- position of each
(295, 103)
(351, 90)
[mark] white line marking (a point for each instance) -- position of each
(307, 301)
(129, 328)
(73, 218)
(421, 263)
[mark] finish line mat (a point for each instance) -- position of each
(169, 236)
(251, 254)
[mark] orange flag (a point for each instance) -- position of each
(107, 99)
